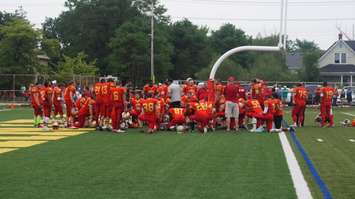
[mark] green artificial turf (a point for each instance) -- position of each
(136, 165)
(166, 165)
(20, 113)
(334, 158)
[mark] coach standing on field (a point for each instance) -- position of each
(174, 91)
(232, 109)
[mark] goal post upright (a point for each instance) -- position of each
(281, 44)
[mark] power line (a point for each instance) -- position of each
(265, 3)
(263, 19)
(229, 2)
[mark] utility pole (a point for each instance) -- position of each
(152, 45)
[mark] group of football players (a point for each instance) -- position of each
(110, 106)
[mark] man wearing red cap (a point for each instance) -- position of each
(232, 108)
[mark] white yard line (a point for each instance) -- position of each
(348, 114)
(4, 110)
(300, 184)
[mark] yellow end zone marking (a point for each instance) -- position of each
(4, 150)
(16, 125)
(18, 122)
(30, 138)
(20, 144)
(40, 130)
(14, 138)
(53, 133)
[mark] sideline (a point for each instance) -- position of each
(300, 184)
(321, 184)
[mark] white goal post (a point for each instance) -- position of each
(281, 45)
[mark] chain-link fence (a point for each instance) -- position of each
(14, 87)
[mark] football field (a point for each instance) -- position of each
(88, 164)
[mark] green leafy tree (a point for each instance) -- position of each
(227, 69)
(229, 37)
(146, 6)
(305, 46)
(75, 66)
(311, 54)
(131, 52)
(310, 71)
(17, 47)
(192, 50)
(87, 26)
(49, 28)
(52, 48)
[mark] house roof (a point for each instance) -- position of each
(351, 44)
(338, 68)
(294, 60)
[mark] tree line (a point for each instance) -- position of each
(110, 37)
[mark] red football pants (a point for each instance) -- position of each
(150, 119)
(176, 121)
(69, 105)
(82, 114)
(326, 114)
(298, 114)
(37, 111)
(201, 119)
(58, 109)
(116, 116)
(47, 109)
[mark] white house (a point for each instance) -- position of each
(338, 62)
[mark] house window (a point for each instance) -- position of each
(343, 58)
(337, 58)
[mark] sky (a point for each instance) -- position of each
(314, 20)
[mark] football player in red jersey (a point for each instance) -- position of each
(36, 101)
(69, 93)
(257, 91)
(150, 88)
(162, 90)
(219, 89)
(269, 111)
(202, 92)
(279, 112)
(118, 98)
(300, 96)
(220, 110)
(162, 108)
(99, 105)
(57, 101)
(86, 112)
(136, 107)
(203, 115)
(189, 87)
(242, 112)
(149, 113)
(326, 111)
(241, 92)
(177, 117)
(106, 105)
(255, 112)
(47, 94)
(188, 99)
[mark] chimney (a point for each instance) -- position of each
(340, 36)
